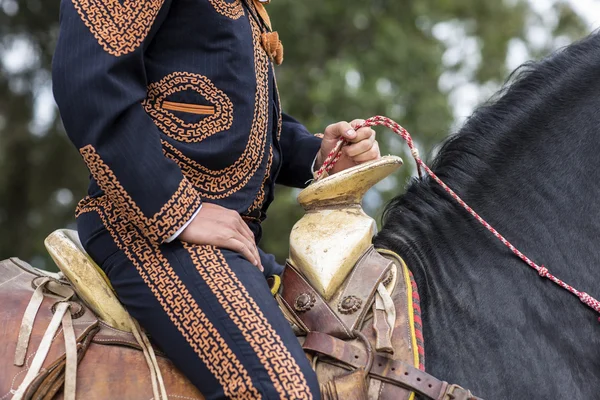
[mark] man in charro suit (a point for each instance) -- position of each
(174, 108)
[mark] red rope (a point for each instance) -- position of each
(335, 154)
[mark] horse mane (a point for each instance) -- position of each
(530, 94)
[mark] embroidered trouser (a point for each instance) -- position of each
(208, 309)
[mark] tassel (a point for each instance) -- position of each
(272, 46)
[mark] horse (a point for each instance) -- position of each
(525, 162)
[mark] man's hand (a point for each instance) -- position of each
(362, 145)
(218, 226)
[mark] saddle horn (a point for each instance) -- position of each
(335, 231)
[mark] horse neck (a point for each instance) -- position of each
(529, 167)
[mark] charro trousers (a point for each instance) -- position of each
(208, 309)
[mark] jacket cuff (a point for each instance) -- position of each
(180, 230)
(174, 215)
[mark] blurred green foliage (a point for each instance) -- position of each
(344, 59)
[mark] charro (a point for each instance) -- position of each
(352, 307)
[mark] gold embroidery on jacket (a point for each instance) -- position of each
(233, 10)
(175, 299)
(260, 197)
(179, 209)
(157, 107)
(286, 375)
(118, 28)
(219, 184)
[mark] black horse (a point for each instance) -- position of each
(528, 162)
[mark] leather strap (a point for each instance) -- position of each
(351, 386)
(360, 288)
(318, 316)
(344, 313)
(27, 322)
(386, 369)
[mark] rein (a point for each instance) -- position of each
(542, 271)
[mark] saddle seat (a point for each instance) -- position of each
(88, 280)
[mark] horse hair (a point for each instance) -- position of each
(526, 161)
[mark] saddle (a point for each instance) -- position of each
(354, 310)
(74, 335)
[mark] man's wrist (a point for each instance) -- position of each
(180, 230)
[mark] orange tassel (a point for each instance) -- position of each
(273, 46)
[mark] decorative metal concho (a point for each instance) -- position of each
(349, 305)
(304, 302)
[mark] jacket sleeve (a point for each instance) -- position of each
(299, 149)
(99, 83)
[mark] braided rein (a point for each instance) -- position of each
(542, 271)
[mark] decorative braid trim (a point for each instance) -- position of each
(162, 225)
(118, 28)
(219, 184)
(156, 105)
(177, 302)
(285, 374)
(416, 301)
(233, 10)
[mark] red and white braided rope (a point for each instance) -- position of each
(336, 153)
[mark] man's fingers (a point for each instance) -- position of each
(245, 231)
(341, 129)
(239, 247)
(356, 123)
(244, 228)
(370, 155)
(358, 148)
(364, 134)
(248, 237)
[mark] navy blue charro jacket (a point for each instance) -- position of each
(174, 102)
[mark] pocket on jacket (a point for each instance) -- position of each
(188, 107)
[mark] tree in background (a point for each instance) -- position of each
(423, 63)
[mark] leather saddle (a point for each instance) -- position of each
(355, 308)
(351, 306)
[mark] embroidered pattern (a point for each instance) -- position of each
(219, 184)
(157, 107)
(179, 209)
(118, 28)
(288, 379)
(233, 10)
(260, 197)
(175, 299)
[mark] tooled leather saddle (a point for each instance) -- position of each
(355, 308)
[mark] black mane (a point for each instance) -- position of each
(527, 162)
(500, 124)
